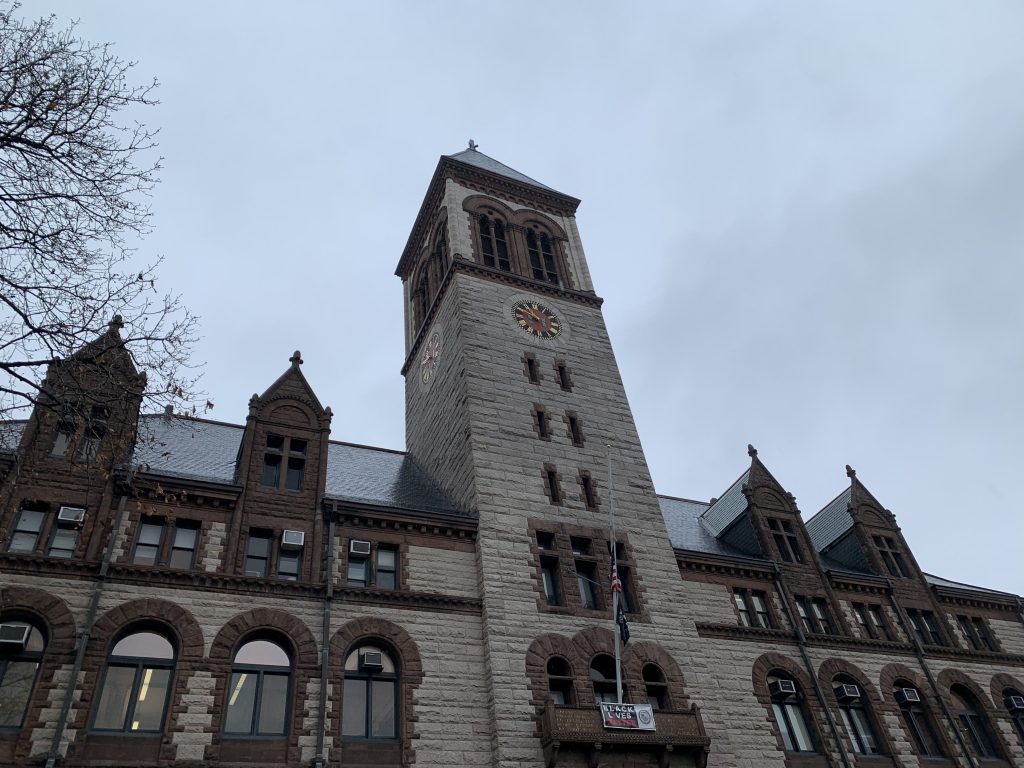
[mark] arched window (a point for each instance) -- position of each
(1014, 701)
(493, 244)
(136, 684)
(559, 680)
(973, 722)
(369, 708)
(917, 720)
(20, 656)
(602, 675)
(542, 256)
(853, 709)
(258, 693)
(656, 685)
(790, 714)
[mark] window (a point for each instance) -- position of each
(917, 720)
(289, 452)
(542, 257)
(786, 540)
(369, 708)
(387, 568)
(258, 692)
(257, 554)
(790, 715)
(551, 485)
(64, 435)
(752, 606)
(891, 556)
(289, 563)
(1014, 701)
(95, 431)
(27, 530)
(147, 543)
(183, 546)
(542, 421)
(854, 713)
(655, 686)
(136, 683)
(559, 680)
(976, 632)
(18, 667)
(589, 495)
(550, 580)
(629, 605)
(871, 622)
(493, 243)
(532, 373)
(63, 540)
(358, 570)
(602, 677)
(973, 722)
(588, 586)
(814, 615)
(575, 433)
(925, 627)
(564, 378)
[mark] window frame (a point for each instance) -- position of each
(787, 542)
(494, 245)
(371, 565)
(856, 717)
(977, 633)
(40, 533)
(542, 254)
(782, 707)
(140, 664)
(55, 530)
(369, 678)
(563, 683)
(22, 657)
(284, 455)
(974, 723)
(919, 723)
(261, 670)
(756, 618)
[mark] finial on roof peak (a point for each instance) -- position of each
(850, 472)
(295, 359)
(751, 451)
(168, 410)
(116, 322)
(473, 145)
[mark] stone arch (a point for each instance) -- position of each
(410, 672)
(887, 679)
(185, 631)
(638, 655)
(48, 610)
(1001, 682)
(301, 644)
(524, 217)
(540, 651)
(948, 678)
(827, 673)
(776, 662)
(291, 410)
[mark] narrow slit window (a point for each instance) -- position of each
(564, 379)
(542, 423)
(531, 370)
(553, 488)
(589, 496)
(575, 433)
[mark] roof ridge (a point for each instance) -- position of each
(681, 498)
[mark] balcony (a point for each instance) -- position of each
(566, 728)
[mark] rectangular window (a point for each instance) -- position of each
(553, 488)
(925, 627)
(878, 622)
(626, 596)
(752, 606)
(575, 433)
(257, 554)
(746, 619)
(296, 464)
(272, 461)
(589, 496)
(289, 564)
(542, 423)
(147, 544)
(814, 615)
(358, 571)
(891, 556)
(183, 547)
(531, 370)
(545, 540)
(821, 614)
(550, 581)
(579, 545)
(786, 540)
(63, 541)
(95, 431)
(27, 530)
(976, 632)
(387, 568)
(564, 379)
(63, 437)
(287, 454)
(585, 579)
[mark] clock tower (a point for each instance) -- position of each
(514, 405)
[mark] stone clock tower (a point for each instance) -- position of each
(513, 397)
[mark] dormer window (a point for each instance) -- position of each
(289, 452)
(493, 244)
(95, 431)
(67, 426)
(891, 556)
(786, 540)
(542, 258)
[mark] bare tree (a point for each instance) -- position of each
(76, 171)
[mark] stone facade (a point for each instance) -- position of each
(478, 562)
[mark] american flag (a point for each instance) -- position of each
(616, 584)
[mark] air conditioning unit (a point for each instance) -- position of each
(1015, 703)
(372, 661)
(14, 636)
(257, 574)
(847, 692)
(358, 547)
(71, 515)
(782, 688)
(292, 539)
(908, 696)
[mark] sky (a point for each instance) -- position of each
(806, 220)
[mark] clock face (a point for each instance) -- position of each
(431, 353)
(536, 319)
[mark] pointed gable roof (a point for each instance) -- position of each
(478, 159)
(727, 508)
(291, 385)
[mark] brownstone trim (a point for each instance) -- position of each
(888, 678)
(948, 678)
(827, 673)
(540, 414)
(578, 438)
(1000, 683)
(563, 375)
(410, 666)
(776, 663)
(552, 485)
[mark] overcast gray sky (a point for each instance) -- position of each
(806, 219)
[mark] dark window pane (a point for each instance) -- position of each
(23, 542)
(15, 691)
(288, 564)
(271, 471)
(241, 702)
(382, 718)
(275, 443)
(353, 708)
(64, 542)
(113, 706)
(256, 566)
(30, 522)
(151, 533)
(181, 558)
(185, 537)
(273, 705)
(357, 573)
(259, 545)
(62, 440)
(296, 469)
(297, 447)
(147, 645)
(149, 706)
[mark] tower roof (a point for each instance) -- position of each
(478, 159)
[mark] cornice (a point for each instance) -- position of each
(498, 276)
(761, 635)
(962, 654)
(410, 520)
(971, 599)
(701, 562)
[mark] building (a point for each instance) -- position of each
(183, 592)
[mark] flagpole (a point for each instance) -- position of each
(615, 592)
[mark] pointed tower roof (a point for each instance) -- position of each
(473, 156)
(291, 386)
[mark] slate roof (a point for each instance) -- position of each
(478, 159)
(938, 581)
(196, 449)
(831, 522)
(686, 531)
(727, 509)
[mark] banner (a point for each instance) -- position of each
(637, 717)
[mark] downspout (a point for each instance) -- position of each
(320, 761)
(84, 636)
(919, 652)
(801, 641)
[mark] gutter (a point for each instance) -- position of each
(320, 761)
